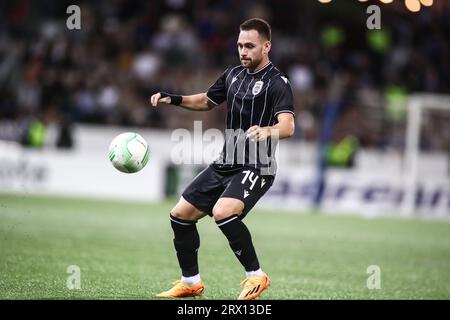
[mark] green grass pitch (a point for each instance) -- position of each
(124, 251)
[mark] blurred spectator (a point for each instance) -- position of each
(125, 51)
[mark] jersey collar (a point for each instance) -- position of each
(256, 72)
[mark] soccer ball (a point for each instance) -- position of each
(128, 152)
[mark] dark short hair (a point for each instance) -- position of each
(259, 25)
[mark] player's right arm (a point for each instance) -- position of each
(215, 95)
(196, 102)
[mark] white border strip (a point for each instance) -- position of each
(182, 223)
(225, 222)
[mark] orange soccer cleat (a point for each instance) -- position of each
(253, 287)
(183, 290)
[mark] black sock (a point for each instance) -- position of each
(186, 241)
(240, 241)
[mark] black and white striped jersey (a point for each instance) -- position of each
(252, 99)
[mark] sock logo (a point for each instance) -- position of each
(238, 252)
(246, 194)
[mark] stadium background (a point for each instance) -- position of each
(65, 94)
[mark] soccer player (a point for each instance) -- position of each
(259, 110)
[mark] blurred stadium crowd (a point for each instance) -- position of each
(127, 50)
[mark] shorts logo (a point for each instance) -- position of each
(246, 194)
(257, 87)
(263, 182)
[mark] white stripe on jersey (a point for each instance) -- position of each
(251, 117)
(271, 114)
(240, 119)
(228, 90)
(231, 71)
(225, 85)
(265, 102)
(253, 100)
(262, 115)
(232, 106)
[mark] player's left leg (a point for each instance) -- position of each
(241, 194)
(226, 212)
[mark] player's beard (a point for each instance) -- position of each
(251, 64)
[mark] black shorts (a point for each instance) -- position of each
(245, 184)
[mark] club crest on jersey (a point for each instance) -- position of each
(257, 87)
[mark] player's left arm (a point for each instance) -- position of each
(285, 128)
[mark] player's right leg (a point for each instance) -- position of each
(198, 199)
(183, 219)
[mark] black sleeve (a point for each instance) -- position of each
(217, 93)
(281, 96)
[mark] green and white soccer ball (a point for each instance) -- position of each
(129, 152)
